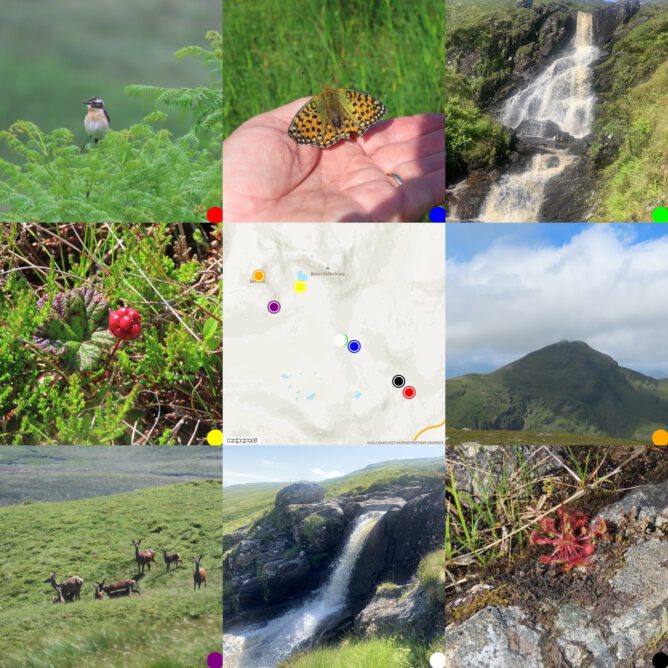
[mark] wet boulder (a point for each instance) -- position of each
(285, 578)
(316, 527)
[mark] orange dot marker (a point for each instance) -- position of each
(660, 437)
(258, 276)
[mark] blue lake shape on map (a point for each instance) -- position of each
(311, 396)
(358, 395)
(301, 276)
(285, 375)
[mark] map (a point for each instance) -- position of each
(334, 334)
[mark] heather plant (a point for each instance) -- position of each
(71, 296)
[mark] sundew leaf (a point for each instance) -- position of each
(76, 330)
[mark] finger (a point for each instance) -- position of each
(390, 156)
(422, 194)
(407, 128)
(414, 169)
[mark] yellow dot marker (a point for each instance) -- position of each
(215, 437)
(660, 437)
(258, 276)
(300, 287)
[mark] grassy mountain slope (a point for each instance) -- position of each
(631, 129)
(242, 504)
(564, 387)
(169, 625)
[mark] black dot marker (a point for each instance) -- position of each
(398, 381)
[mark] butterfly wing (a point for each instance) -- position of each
(306, 126)
(363, 109)
(334, 115)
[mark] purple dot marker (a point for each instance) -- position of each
(273, 306)
(214, 660)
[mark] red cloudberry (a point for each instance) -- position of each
(125, 323)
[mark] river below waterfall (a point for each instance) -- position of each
(551, 116)
(266, 644)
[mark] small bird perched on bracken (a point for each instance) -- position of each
(96, 120)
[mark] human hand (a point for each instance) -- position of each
(269, 177)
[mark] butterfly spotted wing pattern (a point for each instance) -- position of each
(333, 115)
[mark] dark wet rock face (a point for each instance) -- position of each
(608, 19)
(577, 631)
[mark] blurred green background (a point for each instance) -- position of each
(276, 52)
(56, 53)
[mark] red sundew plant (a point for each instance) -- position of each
(571, 537)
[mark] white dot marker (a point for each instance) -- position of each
(340, 340)
(437, 660)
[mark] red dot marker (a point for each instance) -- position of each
(215, 215)
(409, 391)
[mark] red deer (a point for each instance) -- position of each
(199, 575)
(115, 589)
(171, 558)
(143, 557)
(58, 598)
(70, 588)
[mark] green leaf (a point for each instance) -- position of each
(76, 330)
(210, 328)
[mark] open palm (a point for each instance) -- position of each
(268, 177)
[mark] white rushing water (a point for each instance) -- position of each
(560, 96)
(517, 197)
(266, 645)
(562, 93)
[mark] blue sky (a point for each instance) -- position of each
(515, 288)
(288, 463)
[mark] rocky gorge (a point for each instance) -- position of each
(309, 570)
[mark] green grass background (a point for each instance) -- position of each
(54, 55)
(168, 625)
(276, 52)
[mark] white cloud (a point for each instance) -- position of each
(326, 474)
(600, 287)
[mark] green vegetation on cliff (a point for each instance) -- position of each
(474, 139)
(631, 130)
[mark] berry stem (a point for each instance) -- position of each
(110, 356)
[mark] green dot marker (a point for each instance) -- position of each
(660, 214)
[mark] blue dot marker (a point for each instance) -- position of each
(354, 346)
(437, 215)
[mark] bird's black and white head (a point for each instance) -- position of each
(95, 103)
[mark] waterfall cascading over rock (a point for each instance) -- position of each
(266, 645)
(557, 105)
(562, 94)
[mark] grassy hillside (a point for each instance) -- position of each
(66, 473)
(242, 504)
(565, 387)
(169, 625)
(506, 437)
(469, 12)
(631, 130)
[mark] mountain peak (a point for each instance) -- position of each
(565, 386)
